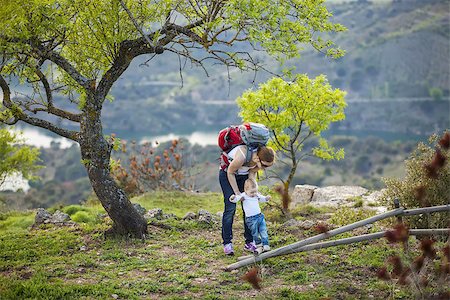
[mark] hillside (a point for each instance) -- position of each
(396, 50)
(183, 259)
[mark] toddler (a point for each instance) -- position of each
(253, 217)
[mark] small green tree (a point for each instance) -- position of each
(295, 112)
(16, 158)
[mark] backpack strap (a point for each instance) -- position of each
(249, 154)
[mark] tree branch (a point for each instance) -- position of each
(20, 115)
(61, 62)
(51, 109)
(135, 22)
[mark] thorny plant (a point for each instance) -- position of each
(150, 168)
(431, 268)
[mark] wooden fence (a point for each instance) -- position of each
(311, 242)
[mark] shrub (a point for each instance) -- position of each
(425, 183)
(348, 215)
(83, 217)
(72, 209)
(150, 169)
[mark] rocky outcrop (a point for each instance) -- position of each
(58, 218)
(335, 196)
(303, 194)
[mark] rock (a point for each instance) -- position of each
(336, 195)
(290, 223)
(204, 216)
(302, 194)
(373, 197)
(60, 217)
(41, 216)
(156, 213)
(307, 224)
(169, 216)
(141, 210)
(190, 216)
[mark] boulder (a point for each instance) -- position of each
(336, 195)
(156, 213)
(190, 216)
(373, 197)
(204, 216)
(42, 216)
(60, 217)
(302, 194)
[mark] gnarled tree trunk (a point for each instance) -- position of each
(96, 154)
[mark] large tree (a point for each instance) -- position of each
(77, 49)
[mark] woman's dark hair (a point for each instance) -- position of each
(266, 154)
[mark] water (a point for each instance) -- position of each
(38, 138)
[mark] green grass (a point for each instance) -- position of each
(182, 260)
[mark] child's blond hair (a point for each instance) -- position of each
(250, 183)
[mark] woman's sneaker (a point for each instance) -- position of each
(250, 247)
(228, 249)
(266, 248)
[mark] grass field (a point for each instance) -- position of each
(184, 259)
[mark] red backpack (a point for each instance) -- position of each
(252, 135)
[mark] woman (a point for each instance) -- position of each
(232, 183)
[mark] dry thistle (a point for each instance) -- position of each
(438, 159)
(445, 140)
(397, 265)
(418, 263)
(420, 192)
(431, 171)
(403, 279)
(426, 245)
(446, 251)
(399, 234)
(390, 236)
(285, 198)
(252, 277)
(383, 274)
(424, 281)
(321, 228)
(402, 232)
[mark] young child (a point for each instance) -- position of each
(253, 216)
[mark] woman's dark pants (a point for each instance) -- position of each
(230, 208)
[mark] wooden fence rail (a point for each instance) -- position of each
(292, 248)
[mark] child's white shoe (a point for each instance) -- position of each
(266, 248)
(259, 249)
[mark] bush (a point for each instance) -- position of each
(83, 217)
(73, 209)
(425, 183)
(347, 215)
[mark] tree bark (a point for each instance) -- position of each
(96, 154)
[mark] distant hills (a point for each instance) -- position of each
(395, 49)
